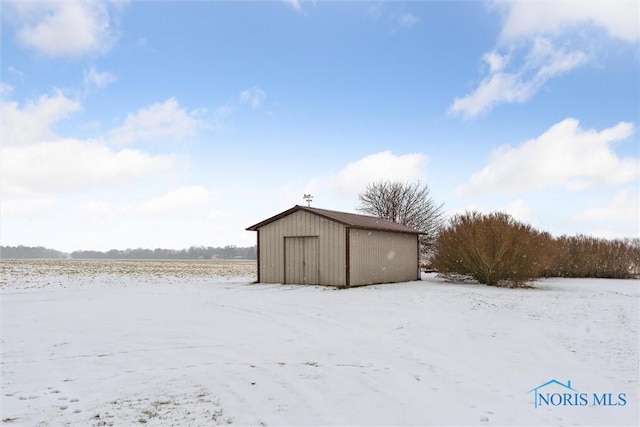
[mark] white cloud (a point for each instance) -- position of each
(529, 18)
(66, 28)
(97, 79)
(625, 205)
(35, 159)
(548, 61)
(31, 124)
(541, 41)
(160, 121)
(73, 165)
(193, 215)
(180, 202)
(194, 201)
(5, 89)
(517, 209)
(100, 211)
(542, 63)
(354, 178)
(253, 96)
(495, 61)
(563, 156)
(31, 208)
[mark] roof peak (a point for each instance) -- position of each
(342, 212)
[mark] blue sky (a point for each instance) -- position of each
(171, 124)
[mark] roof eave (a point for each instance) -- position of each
(255, 227)
(416, 232)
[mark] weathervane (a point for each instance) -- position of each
(308, 198)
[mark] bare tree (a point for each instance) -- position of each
(406, 204)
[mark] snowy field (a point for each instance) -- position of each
(196, 343)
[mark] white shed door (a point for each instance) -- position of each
(301, 260)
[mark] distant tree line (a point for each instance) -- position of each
(497, 250)
(194, 252)
(28, 252)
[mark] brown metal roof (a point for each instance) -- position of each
(364, 222)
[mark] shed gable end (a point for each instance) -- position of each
(330, 247)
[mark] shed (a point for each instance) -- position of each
(314, 246)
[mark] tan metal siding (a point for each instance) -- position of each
(271, 254)
(330, 247)
(382, 257)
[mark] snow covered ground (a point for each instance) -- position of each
(117, 345)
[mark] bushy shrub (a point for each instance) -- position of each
(494, 249)
(586, 256)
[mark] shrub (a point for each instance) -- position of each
(493, 248)
(585, 256)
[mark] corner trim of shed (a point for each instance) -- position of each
(347, 273)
